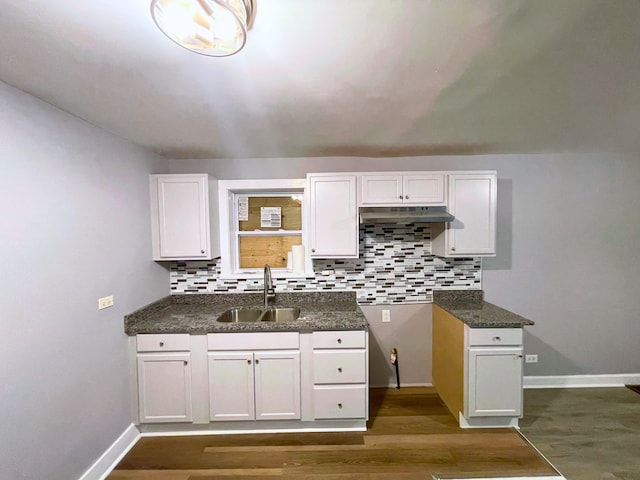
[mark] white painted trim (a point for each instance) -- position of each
(487, 422)
(112, 455)
(582, 381)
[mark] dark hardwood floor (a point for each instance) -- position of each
(411, 435)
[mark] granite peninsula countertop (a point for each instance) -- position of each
(196, 314)
(469, 307)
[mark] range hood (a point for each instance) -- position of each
(392, 215)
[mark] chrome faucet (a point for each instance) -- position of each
(269, 289)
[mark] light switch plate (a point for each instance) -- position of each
(105, 302)
(531, 358)
(386, 316)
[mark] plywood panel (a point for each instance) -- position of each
(448, 359)
(291, 210)
(257, 251)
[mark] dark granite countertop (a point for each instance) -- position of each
(471, 309)
(196, 314)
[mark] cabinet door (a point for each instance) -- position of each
(180, 216)
(277, 385)
(164, 387)
(231, 395)
(495, 382)
(333, 216)
(381, 189)
(424, 189)
(473, 202)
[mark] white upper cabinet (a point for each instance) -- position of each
(180, 217)
(399, 189)
(472, 200)
(333, 216)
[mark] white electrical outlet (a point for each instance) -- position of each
(386, 316)
(105, 302)
(531, 358)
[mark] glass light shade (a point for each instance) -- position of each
(210, 27)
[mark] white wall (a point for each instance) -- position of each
(74, 227)
(568, 253)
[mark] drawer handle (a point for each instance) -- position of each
(339, 370)
(496, 339)
(339, 405)
(162, 344)
(339, 340)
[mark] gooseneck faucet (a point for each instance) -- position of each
(269, 290)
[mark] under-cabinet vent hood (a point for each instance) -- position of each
(404, 215)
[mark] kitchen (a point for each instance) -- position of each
(75, 229)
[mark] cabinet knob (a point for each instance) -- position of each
(496, 339)
(339, 370)
(339, 405)
(201, 251)
(249, 362)
(339, 340)
(406, 197)
(453, 249)
(400, 197)
(162, 344)
(186, 362)
(313, 250)
(257, 361)
(519, 356)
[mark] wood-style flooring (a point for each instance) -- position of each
(587, 433)
(411, 435)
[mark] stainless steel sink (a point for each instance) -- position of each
(280, 315)
(259, 315)
(240, 315)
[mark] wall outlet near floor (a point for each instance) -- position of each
(105, 302)
(531, 358)
(386, 316)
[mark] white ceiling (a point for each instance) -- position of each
(343, 77)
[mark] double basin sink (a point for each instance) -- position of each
(259, 315)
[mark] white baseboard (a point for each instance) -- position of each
(582, 381)
(560, 477)
(110, 458)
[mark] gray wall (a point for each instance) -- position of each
(568, 239)
(75, 227)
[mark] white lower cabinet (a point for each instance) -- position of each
(493, 372)
(495, 382)
(477, 372)
(312, 380)
(340, 375)
(254, 385)
(164, 379)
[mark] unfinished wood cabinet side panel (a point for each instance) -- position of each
(448, 359)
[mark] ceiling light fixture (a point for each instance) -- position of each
(217, 28)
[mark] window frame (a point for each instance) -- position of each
(228, 190)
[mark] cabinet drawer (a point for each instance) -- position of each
(339, 339)
(253, 341)
(341, 366)
(495, 336)
(156, 342)
(339, 402)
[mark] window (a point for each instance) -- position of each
(260, 222)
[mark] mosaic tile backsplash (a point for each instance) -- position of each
(395, 266)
